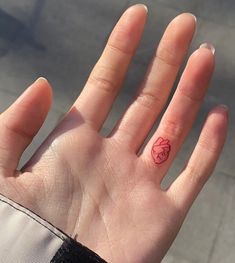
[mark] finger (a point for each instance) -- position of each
(136, 123)
(106, 78)
(187, 186)
(182, 110)
(20, 123)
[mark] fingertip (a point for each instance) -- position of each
(193, 16)
(205, 55)
(129, 29)
(205, 50)
(201, 65)
(221, 109)
(185, 18)
(23, 119)
(43, 88)
(41, 79)
(43, 82)
(135, 15)
(189, 15)
(37, 99)
(39, 87)
(219, 115)
(179, 33)
(208, 46)
(138, 6)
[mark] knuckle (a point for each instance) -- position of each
(172, 128)
(207, 144)
(20, 131)
(13, 126)
(195, 176)
(120, 48)
(167, 56)
(148, 100)
(103, 78)
(118, 42)
(190, 95)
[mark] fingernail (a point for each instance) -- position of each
(141, 5)
(208, 46)
(223, 107)
(146, 8)
(26, 91)
(195, 18)
(40, 79)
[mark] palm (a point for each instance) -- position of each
(102, 199)
(102, 191)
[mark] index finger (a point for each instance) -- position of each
(106, 78)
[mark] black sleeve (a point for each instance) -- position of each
(72, 252)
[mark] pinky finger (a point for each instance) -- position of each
(187, 186)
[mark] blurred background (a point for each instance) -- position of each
(62, 40)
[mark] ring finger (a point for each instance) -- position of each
(181, 112)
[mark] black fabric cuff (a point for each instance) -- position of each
(73, 252)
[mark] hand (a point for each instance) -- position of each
(105, 192)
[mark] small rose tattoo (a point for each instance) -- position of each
(161, 150)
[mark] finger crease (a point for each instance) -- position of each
(104, 84)
(167, 61)
(19, 132)
(148, 100)
(120, 50)
(190, 96)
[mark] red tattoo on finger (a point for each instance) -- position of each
(161, 150)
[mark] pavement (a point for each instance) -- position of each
(62, 40)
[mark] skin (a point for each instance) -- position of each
(105, 191)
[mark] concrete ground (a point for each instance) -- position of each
(62, 40)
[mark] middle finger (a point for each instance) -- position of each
(157, 84)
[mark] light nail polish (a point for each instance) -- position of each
(224, 107)
(195, 18)
(208, 46)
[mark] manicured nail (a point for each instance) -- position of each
(208, 46)
(195, 18)
(146, 8)
(141, 5)
(41, 79)
(28, 90)
(223, 107)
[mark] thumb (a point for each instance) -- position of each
(21, 122)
